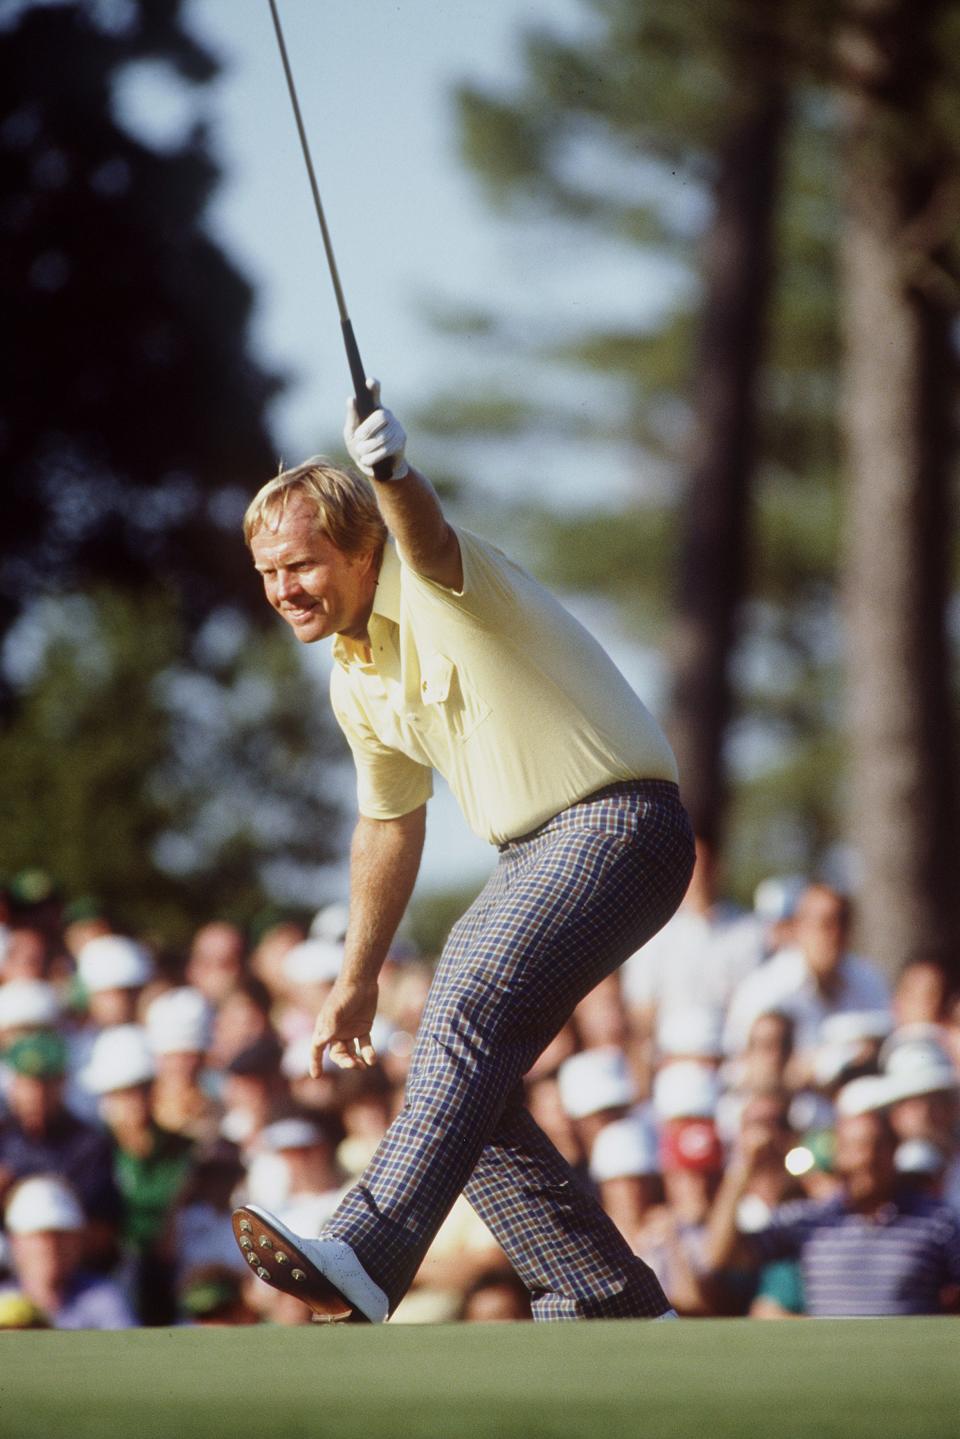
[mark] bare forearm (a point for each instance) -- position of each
(384, 861)
(413, 516)
(724, 1242)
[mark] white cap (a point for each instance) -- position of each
(290, 1134)
(594, 1080)
(692, 1031)
(41, 1203)
(330, 923)
(110, 961)
(295, 1063)
(864, 1096)
(910, 1034)
(685, 1089)
(28, 1003)
(854, 1026)
(830, 1060)
(313, 961)
(776, 898)
(120, 1058)
(178, 1022)
(920, 1066)
(627, 1147)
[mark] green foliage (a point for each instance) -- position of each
(172, 790)
(132, 415)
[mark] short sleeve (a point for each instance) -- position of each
(389, 783)
(489, 583)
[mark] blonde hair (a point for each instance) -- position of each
(345, 503)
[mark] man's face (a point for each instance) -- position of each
(864, 1145)
(34, 1102)
(821, 929)
(25, 956)
(45, 1260)
(315, 587)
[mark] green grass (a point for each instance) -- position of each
(723, 1379)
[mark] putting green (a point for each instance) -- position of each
(728, 1379)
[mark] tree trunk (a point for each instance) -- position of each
(900, 373)
(714, 538)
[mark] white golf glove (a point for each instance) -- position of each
(380, 437)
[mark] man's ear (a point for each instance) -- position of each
(369, 562)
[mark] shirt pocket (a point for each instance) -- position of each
(451, 699)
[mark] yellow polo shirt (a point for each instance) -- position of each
(497, 687)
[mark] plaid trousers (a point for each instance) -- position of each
(563, 909)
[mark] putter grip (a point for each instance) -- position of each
(361, 394)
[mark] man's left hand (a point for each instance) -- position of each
(380, 437)
(343, 1025)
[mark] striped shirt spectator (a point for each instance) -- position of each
(896, 1260)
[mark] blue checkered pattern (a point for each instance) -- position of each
(564, 908)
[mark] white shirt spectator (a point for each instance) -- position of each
(786, 985)
(695, 959)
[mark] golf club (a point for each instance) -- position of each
(362, 395)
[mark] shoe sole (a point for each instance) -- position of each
(281, 1264)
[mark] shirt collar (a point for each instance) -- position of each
(386, 599)
(386, 606)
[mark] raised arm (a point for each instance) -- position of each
(408, 501)
(384, 860)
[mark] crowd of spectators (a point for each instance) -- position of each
(773, 1126)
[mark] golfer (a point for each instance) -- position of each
(449, 657)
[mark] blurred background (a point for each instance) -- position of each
(666, 296)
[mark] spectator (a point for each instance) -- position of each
(113, 971)
(212, 1296)
(83, 920)
(496, 1297)
(816, 978)
(216, 963)
(761, 1066)
(921, 992)
(45, 1226)
(923, 1090)
(25, 954)
(596, 1087)
(313, 1184)
(462, 1250)
(307, 1091)
(365, 1110)
(252, 1091)
(672, 1241)
(150, 1164)
(27, 1005)
(624, 1166)
(546, 1107)
(876, 1248)
(775, 905)
(309, 971)
(242, 1018)
(700, 955)
(200, 1228)
(272, 948)
(40, 1135)
(178, 1030)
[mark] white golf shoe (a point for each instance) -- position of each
(324, 1273)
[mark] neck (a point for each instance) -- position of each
(867, 1192)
